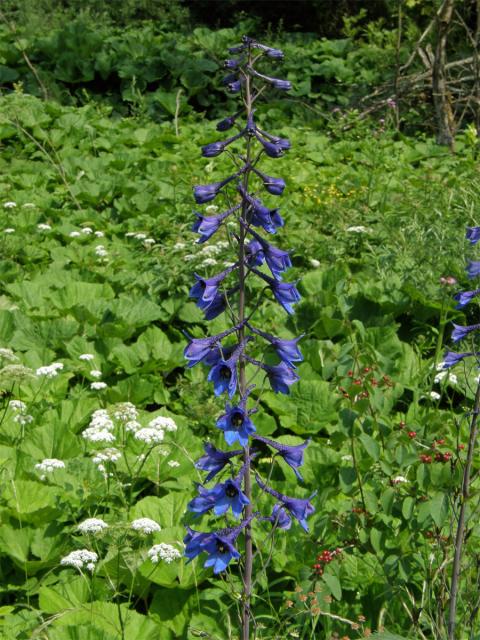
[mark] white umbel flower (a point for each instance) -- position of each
(164, 423)
(164, 552)
(49, 371)
(80, 559)
(95, 373)
(87, 230)
(92, 525)
(48, 465)
(86, 356)
(98, 386)
(93, 434)
(149, 435)
(74, 234)
(106, 455)
(125, 411)
(145, 525)
(43, 226)
(9, 205)
(17, 405)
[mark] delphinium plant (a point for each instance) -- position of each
(244, 352)
(464, 510)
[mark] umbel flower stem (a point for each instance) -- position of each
(460, 534)
(247, 575)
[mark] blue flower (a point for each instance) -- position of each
(226, 123)
(276, 259)
(214, 460)
(206, 226)
(459, 332)
(206, 349)
(464, 297)
(203, 502)
(224, 373)
(292, 454)
(284, 85)
(254, 253)
(473, 269)
(275, 186)
(287, 350)
(236, 425)
(473, 234)
(206, 289)
(216, 148)
(280, 517)
(221, 551)
(205, 192)
(451, 358)
(281, 376)
(285, 293)
(194, 541)
(272, 149)
(261, 216)
(298, 508)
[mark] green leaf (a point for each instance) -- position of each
(370, 445)
(439, 508)
(333, 584)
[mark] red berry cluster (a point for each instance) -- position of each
(325, 558)
(365, 379)
(437, 456)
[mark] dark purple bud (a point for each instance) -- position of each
(214, 460)
(205, 192)
(229, 79)
(234, 87)
(231, 63)
(473, 234)
(275, 186)
(459, 332)
(213, 149)
(226, 123)
(283, 85)
(271, 149)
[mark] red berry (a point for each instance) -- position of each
(412, 434)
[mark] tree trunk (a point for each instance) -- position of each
(443, 110)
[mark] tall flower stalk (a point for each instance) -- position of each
(451, 358)
(239, 352)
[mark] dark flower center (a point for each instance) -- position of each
(225, 373)
(231, 491)
(237, 419)
(221, 548)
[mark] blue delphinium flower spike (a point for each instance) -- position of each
(473, 234)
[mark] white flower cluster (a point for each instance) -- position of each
(164, 423)
(125, 411)
(149, 435)
(96, 373)
(48, 465)
(106, 455)
(399, 480)
(100, 427)
(145, 525)
(87, 230)
(173, 464)
(50, 371)
(17, 406)
(9, 205)
(74, 234)
(100, 251)
(452, 378)
(80, 559)
(133, 426)
(98, 386)
(164, 552)
(7, 354)
(179, 246)
(43, 226)
(359, 229)
(92, 525)
(149, 241)
(86, 356)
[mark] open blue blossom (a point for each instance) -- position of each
(292, 454)
(464, 297)
(224, 496)
(451, 358)
(204, 502)
(473, 234)
(459, 332)
(224, 373)
(207, 226)
(221, 551)
(280, 517)
(254, 253)
(298, 508)
(261, 216)
(214, 460)
(236, 425)
(473, 269)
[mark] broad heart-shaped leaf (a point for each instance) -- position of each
(135, 312)
(32, 501)
(167, 511)
(333, 584)
(81, 294)
(309, 408)
(84, 632)
(105, 616)
(173, 607)
(71, 593)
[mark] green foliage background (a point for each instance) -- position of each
(375, 218)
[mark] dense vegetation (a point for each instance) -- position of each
(100, 125)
